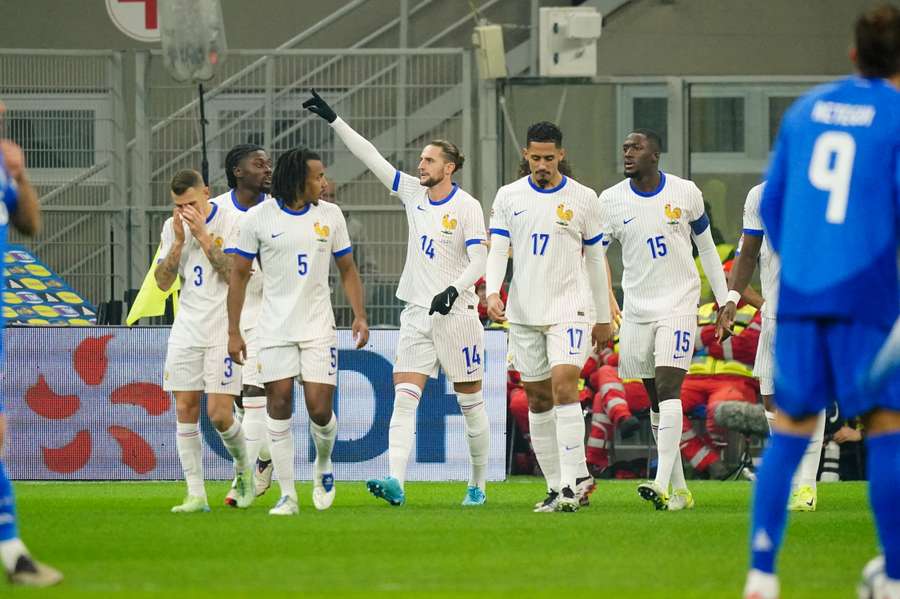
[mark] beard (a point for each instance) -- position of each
(542, 178)
(432, 181)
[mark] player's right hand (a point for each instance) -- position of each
(178, 225)
(725, 321)
(318, 106)
(601, 334)
(495, 308)
(237, 349)
(13, 158)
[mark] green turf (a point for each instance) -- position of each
(118, 537)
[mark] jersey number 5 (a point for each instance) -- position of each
(830, 169)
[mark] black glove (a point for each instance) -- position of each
(443, 301)
(319, 106)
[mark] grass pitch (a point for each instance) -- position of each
(119, 538)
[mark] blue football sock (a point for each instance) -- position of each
(884, 481)
(770, 497)
(8, 529)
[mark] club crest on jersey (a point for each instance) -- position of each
(219, 242)
(322, 231)
(673, 214)
(449, 223)
(564, 215)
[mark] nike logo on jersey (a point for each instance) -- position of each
(274, 235)
(473, 371)
(625, 222)
(677, 357)
(519, 212)
(420, 208)
(570, 448)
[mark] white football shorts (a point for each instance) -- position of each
(454, 342)
(535, 350)
(644, 346)
(207, 369)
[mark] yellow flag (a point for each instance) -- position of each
(151, 300)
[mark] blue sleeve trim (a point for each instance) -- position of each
(343, 252)
(754, 232)
(241, 253)
(503, 232)
(594, 239)
(396, 184)
(473, 242)
(700, 225)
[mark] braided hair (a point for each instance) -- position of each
(235, 155)
(289, 176)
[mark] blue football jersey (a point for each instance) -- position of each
(10, 197)
(831, 205)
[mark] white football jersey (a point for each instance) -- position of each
(439, 235)
(547, 229)
(250, 313)
(769, 263)
(201, 320)
(660, 278)
(294, 250)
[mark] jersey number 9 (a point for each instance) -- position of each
(833, 174)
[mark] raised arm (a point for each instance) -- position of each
(171, 246)
(358, 145)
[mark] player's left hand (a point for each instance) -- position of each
(360, 329)
(725, 321)
(615, 311)
(601, 334)
(318, 106)
(237, 349)
(443, 301)
(196, 222)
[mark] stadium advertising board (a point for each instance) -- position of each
(87, 404)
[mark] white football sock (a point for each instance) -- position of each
(190, 452)
(542, 427)
(570, 440)
(668, 441)
(678, 480)
(808, 470)
(323, 438)
(402, 429)
(254, 425)
(478, 435)
(233, 440)
(281, 443)
(10, 551)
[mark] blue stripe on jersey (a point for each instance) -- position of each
(343, 252)
(239, 252)
(300, 212)
(396, 184)
(650, 194)
(594, 239)
(473, 242)
(700, 225)
(212, 213)
(551, 190)
(445, 200)
(754, 232)
(237, 204)
(503, 232)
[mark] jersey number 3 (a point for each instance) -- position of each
(830, 169)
